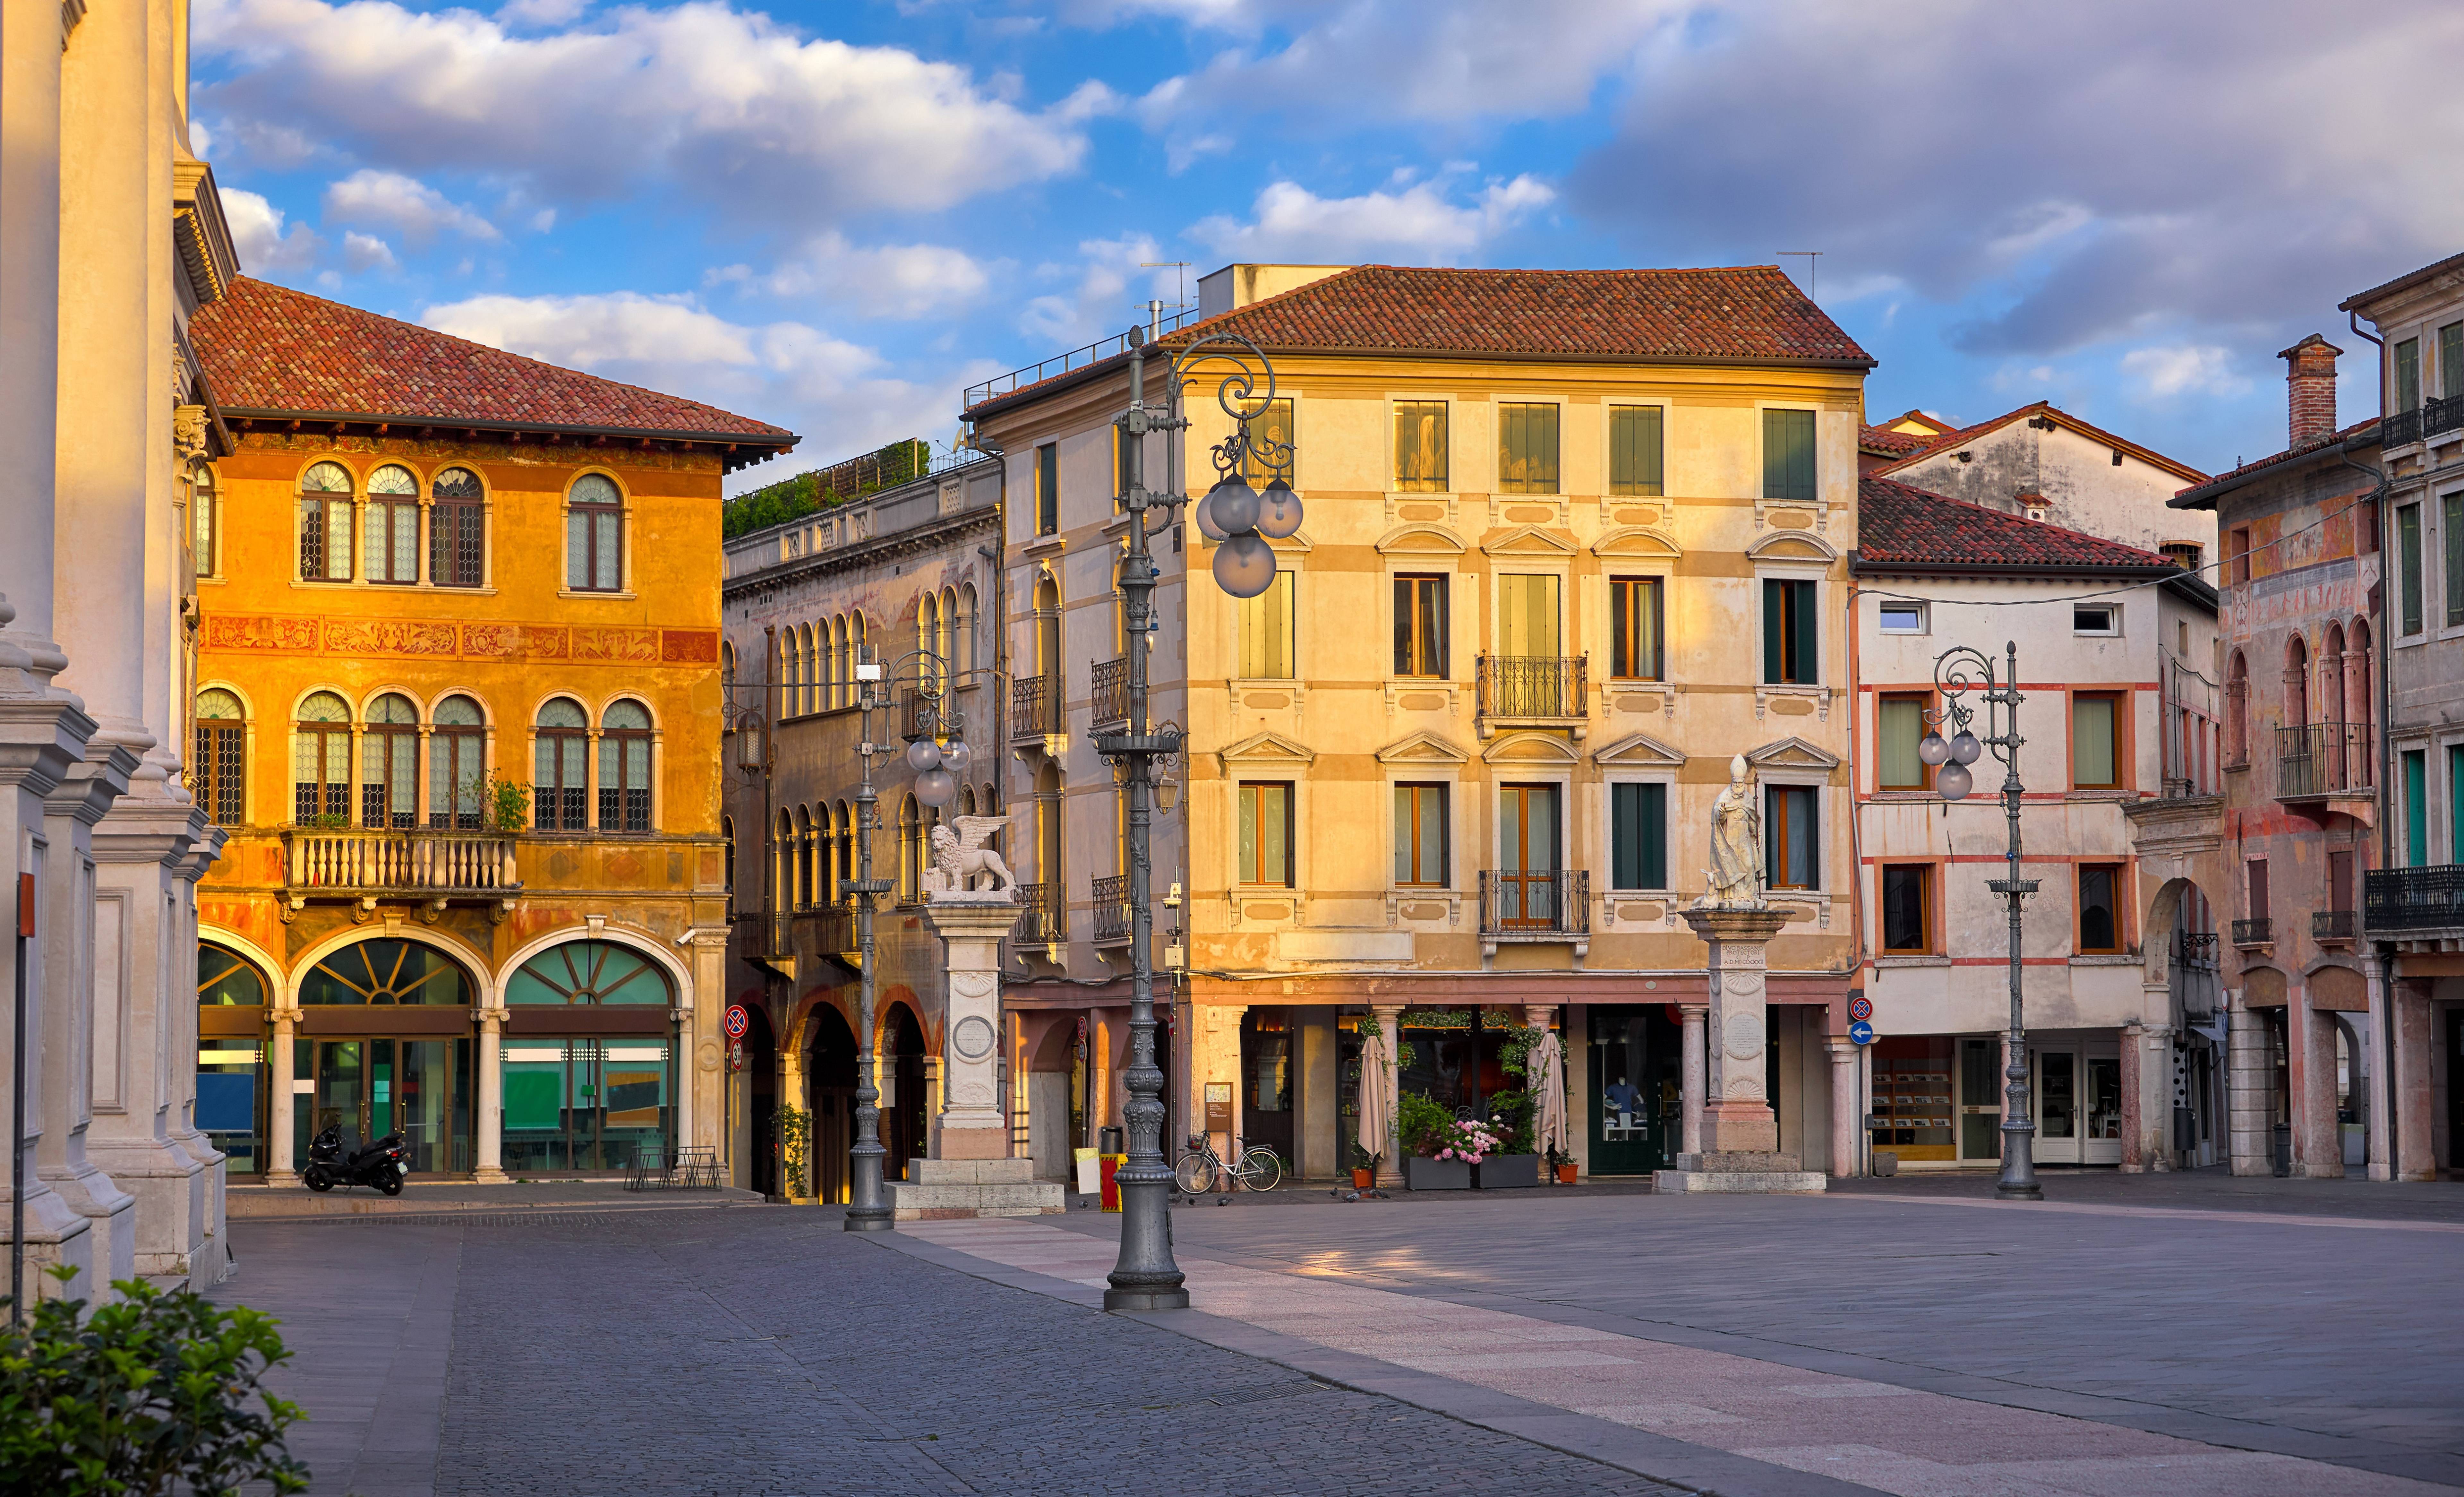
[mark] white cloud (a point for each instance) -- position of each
(406, 204)
(542, 12)
(838, 395)
(259, 235)
(1112, 277)
(2198, 369)
(1419, 222)
(200, 141)
(362, 252)
(725, 105)
(890, 280)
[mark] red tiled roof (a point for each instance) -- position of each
(1895, 444)
(1751, 313)
(267, 349)
(1952, 441)
(2200, 495)
(1898, 525)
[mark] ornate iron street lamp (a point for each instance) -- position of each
(1958, 671)
(938, 753)
(1242, 519)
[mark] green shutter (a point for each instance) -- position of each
(2408, 557)
(2451, 531)
(1772, 643)
(2416, 808)
(1654, 836)
(1788, 455)
(2451, 359)
(1404, 872)
(1249, 834)
(2407, 375)
(2455, 804)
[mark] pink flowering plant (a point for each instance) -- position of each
(1431, 1131)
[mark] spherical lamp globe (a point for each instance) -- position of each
(1953, 780)
(1235, 506)
(936, 787)
(1279, 511)
(1244, 565)
(923, 755)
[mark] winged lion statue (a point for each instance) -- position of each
(960, 856)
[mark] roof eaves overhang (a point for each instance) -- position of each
(1060, 383)
(2358, 300)
(1860, 565)
(2204, 497)
(763, 446)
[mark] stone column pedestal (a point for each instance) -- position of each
(488, 1167)
(970, 1173)
(1690, 1076)
(1740, 1147)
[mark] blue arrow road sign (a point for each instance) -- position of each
(1862, 1032)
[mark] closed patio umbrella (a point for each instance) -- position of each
(1547, 1066)
(1377, 1106)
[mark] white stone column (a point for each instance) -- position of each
(972, 926)
(1740, 1133)
(280, 1168)
(1847, 1120)
(488, 1167)
(31, 38)
(1690, 1079)
(69, 813)
(1390, 1019)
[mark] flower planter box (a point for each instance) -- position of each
(1364, 1179)
(1570, 1173)
(1507, 1172)
(1420, 1174)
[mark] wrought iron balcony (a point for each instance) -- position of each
(2398, 901)
(2324, 762)
(829, 929)
(2434, 417)
(2333, 925)
(2260, 931)
(1550, 906)
(1111, 910)
(2195, 950)
(1044, 922)
(1108, 699)
(1534, 687)
(1035, 706)
(424, 864)
(764, 935)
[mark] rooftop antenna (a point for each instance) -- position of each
(1812, 269)
(1180, 289)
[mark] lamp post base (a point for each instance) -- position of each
(1135, 1300)
(871, 1223)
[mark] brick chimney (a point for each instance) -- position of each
(2310, 387)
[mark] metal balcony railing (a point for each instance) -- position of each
(1109, 698)
(764, 934)
(1035, 706)
(1043, 924)
(2400, 899)
(1544, 904)
(2254, 933)
(2333, 925)
(919, 713)
(830, 928)
(2196, 949)
(2324, 759)
(1112, 909)
(2434, 417)
(433, 863)
(1533, 686)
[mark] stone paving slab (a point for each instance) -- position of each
(767, 1351)
(1904, 1439)
(285, 1203)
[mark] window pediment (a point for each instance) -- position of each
(1530, 748)
(1268, 749)
(1792, 753)
(1646, 541)
(1792, 546)
(1529, 541)
(1639, 751)
(1422, 540)
(1422, 748)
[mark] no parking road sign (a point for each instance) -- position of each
(1861, 1032)
(737, 1022)
(1860, 1007)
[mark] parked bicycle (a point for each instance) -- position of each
(1200, 1172)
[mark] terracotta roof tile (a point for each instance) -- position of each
(1952, 441)
(1890, 443)
(1898, 525)
(1747, 313)
(2199, 495)
(267, 348)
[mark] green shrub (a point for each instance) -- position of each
(1513, 1113)
(1423, 1124)
(795, 1151)
(159, 1390)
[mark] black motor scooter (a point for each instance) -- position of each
(382, 1164)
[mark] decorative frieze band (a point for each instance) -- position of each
(445, 640)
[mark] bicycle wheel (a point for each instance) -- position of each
(1194, 1173)
(1261, 1169)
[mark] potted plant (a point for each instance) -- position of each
(1512, 1165)
(1568, 1171)
(1364, 1168)
(1443, 1149)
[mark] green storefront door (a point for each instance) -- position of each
(1636, 1099)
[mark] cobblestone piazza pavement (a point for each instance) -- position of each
(1917, 1341)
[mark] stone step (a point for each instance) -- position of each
(970, 1171)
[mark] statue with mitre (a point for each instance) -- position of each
(1736, 871)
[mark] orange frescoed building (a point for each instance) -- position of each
(457, 703)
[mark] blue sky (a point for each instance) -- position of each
(834, 215)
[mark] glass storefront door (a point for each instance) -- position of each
(2057, 1108)
(369, 1088)
(1638, 1104)
(2078, 1107)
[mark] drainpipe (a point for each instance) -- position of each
(2387, 774)
(1859, 979)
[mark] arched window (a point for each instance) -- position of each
(457, 780)
(218, 770)
(803, 883)
(387, 971)
(2237, 710)
(2297, 683)
(911, 851)
(588, 972)
(594, 532)
(393, 525)
(844, 822)
(563, 785)
(2331, 673)
(206, 515)
(782, 866)
(966, 800)
(227, 980)
(1047, 631)
(928, 636)
(840, 676)
(320, 761)
(807, 671)
(950, 660)
(2359, 704)
(966, 660)
(624, 768)
(457, 530)
(389, 765)
(326, 523)
(727, 834)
